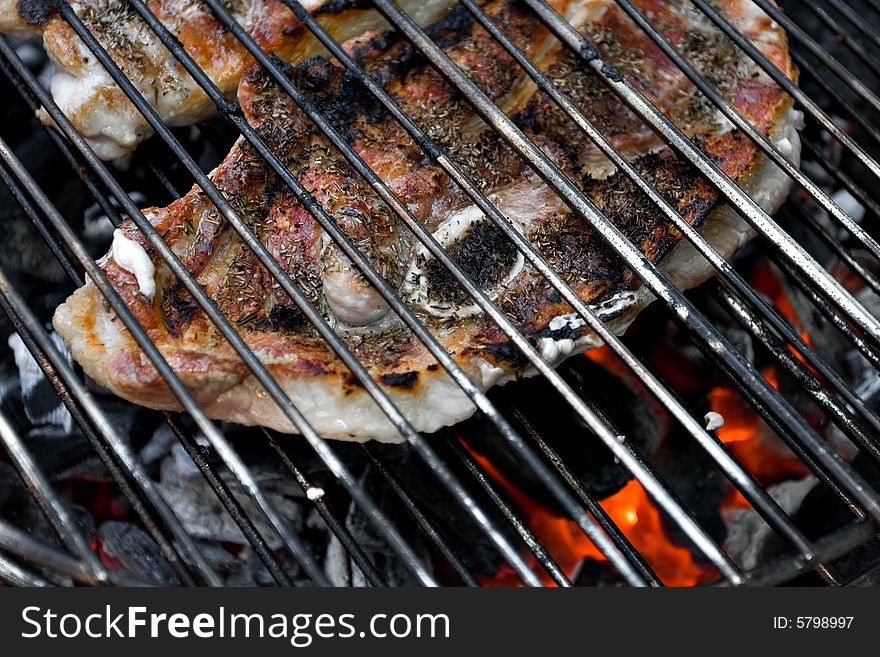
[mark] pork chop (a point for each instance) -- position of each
(312, 376)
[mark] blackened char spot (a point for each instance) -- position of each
(178, 308)
(452, 28)
(379, 42)
(507, 351)
(485, 254)
(405, 380)
(344, 102)
(285, 318)
(35, 12)
(335, 6)
(313, 73)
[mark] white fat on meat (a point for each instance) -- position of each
(352, 299)
(132, 257)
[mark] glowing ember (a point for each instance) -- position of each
(631, 510)
(747, 436)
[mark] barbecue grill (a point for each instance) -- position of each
(832, 44)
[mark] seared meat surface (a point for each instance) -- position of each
(99, 109)
(270, 323)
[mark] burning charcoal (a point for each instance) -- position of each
(536, 409)
(696, 480)
(135, 551)
(468, 541)
(597, 573)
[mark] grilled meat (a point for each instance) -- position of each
(99, 109)
(313, 377)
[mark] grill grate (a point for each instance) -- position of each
(842, 406)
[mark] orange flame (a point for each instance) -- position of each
(632, 511)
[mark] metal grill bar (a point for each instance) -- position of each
(547, 562)
(866, 276)
(229, 502)
(859, 87)
(145, 343)
(379, 93)
(805, 102)
(32, 84)
(868, 59)
(26, 547)
(17, 576)
(867, 350)
(860, 195)
(817, 76)
(738, 200)
(455, 173)
(421, 519)
(859, 434)
(830, 547)
(726, 272)
(338, 529)
(856, 21)
(736, 117)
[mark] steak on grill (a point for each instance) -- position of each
(313, 377)
(99, 109)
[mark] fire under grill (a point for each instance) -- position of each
(600, 472)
